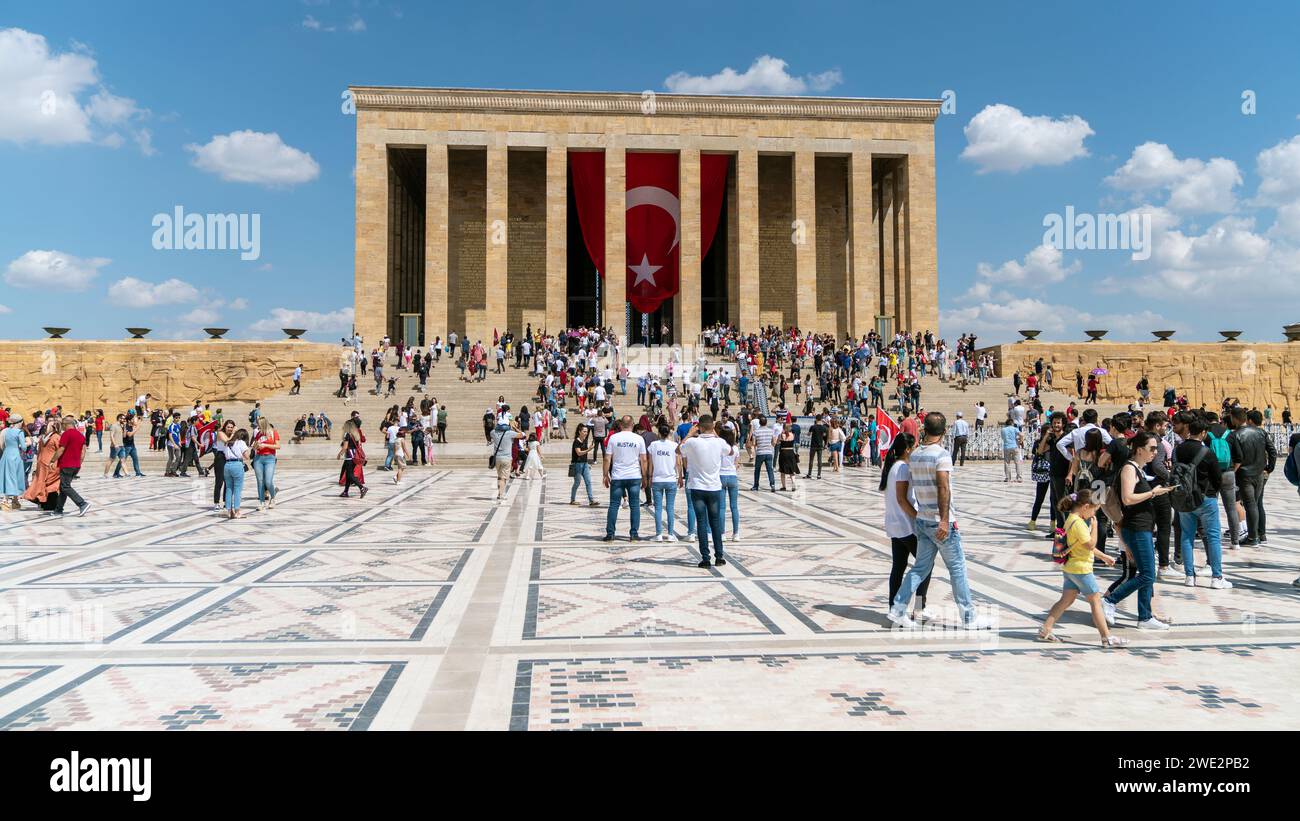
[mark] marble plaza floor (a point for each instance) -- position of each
(428, 606)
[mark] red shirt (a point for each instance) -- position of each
(99, 423)
(273, 438)
(72, 443)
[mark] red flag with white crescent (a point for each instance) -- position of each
(654, 229)
(886, 430)
(207, 432)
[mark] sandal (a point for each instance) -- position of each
(1049, 637)
(1114, 641)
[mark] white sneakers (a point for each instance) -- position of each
(980, 623)
(735, 537)
(900, 618)
(1152, 624)
(1220, 583)
(669, 537)
(1108, 610)
(1189, 581)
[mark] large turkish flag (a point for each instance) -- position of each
(653, 229)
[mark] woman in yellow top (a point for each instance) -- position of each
(1081, 537)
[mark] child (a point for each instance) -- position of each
(1081, 538)
(392, 386)
(399, 457)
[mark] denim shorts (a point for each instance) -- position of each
(1085, 583)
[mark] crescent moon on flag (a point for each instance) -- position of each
(654, 195)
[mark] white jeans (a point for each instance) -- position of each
(1011, 456)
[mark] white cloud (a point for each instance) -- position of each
(1001, 138)
(355, 24)
(767, 75)
(5, 309)
(39, 269)
(339, 321)
(1279, 172)
(1194, 186)
(1041, 266)
(254, 157)
(239, 304)
(1001, 321)
(201, 316)
(130, 292)
(42, 90)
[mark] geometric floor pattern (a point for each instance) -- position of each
(428, 605)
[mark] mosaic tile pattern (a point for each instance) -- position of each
(154, 612)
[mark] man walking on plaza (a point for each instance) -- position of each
(702, 453)
(960, 436)
(1258, 458)
(760, 442)
(817, 435)
(68, 457)
(1011, 442)
(936, 527)
(627, 471)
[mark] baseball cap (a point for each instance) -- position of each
(958, 413)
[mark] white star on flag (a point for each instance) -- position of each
(645, 272)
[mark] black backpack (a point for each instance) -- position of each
(1186, 495)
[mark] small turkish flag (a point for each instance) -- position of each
(886, 430)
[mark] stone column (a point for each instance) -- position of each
(614, 285)
(686, 305)
(747, 241)
(864, 284)
(888, 248)
(557, 214)
(435, 243)
(902, 250)
(494, 297)
(371, 276)
(922, 238)
(805, 234)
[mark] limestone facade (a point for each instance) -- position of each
(1257, 374)
(830, 212)
(88, 375)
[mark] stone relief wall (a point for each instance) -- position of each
(1257, 375)
(86, 375)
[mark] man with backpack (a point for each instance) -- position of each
(1196, 481)
(1227, 452)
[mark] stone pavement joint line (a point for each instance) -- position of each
(430, 606)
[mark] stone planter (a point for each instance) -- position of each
(294, 333)
(1292, 332)
(138, 333)
(1162, 336)
(215, 333)
(56, 333)
(1229, 336)
(1096, 335)
(1029, 335)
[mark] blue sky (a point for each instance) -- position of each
(113, 113)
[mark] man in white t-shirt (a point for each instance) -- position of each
(663, 482)
(702, 451)
(627, 470)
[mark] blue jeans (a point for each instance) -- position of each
(731, 491)
(264, 470)
(1208, 517)
(128, 450)
(581, 473)
(708, 515)
(392, 452)
(618, 487)
(1144, 552)
(690, 511)
(234, 473)
(927, 545)
(760, 460)
(665, 498)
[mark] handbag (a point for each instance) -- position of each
(573, 469)
(492, 460)
(1040, 470)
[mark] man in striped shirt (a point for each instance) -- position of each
(760, 440)
(930, 466)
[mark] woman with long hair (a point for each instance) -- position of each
(44, 487)
(266, 446)
(900, 511)
(1135, 496)
(354, 458)
(13, 478)
(731, 480)
(787, 457)
(835, 445)
(237, 453)
(219, 444)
